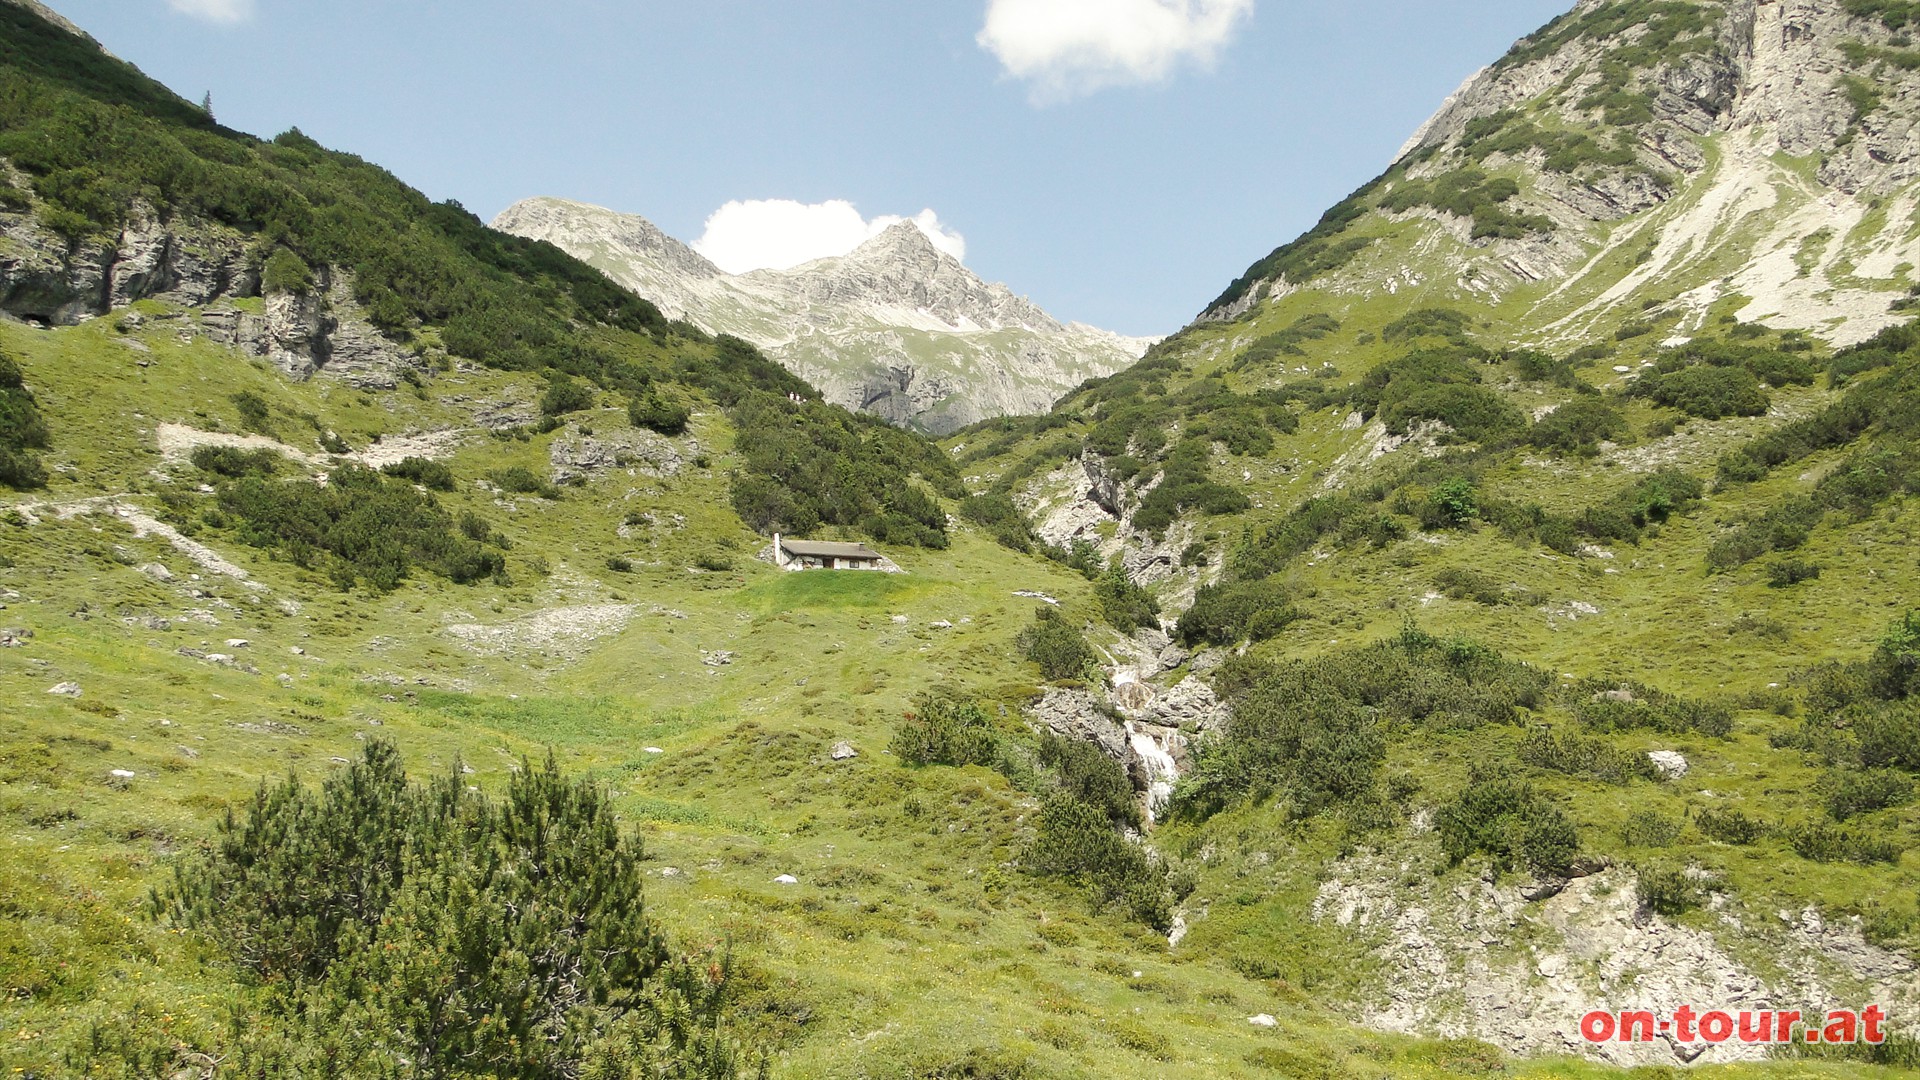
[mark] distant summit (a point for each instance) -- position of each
(895, 327)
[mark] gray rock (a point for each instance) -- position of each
(1132, 696)
(1670, 764)
(15, 637)
(576, 456)
(844, 751)
(65, 689)
(157, 572)
(43, 277)
(1076, 714)
(1190, 706)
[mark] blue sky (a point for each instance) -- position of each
(1120, 175)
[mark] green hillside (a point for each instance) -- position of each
(394, 687)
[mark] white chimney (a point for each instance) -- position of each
(779, 556)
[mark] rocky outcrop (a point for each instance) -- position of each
(46, 278)
(49, 279)
(1190, 706)
(1078, 714)
(1517, 966)
(305, 334)
(900, 395)
(896, 327)
(575, 456)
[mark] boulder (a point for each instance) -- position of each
(65, 689)
(1075, 714)
(844, 751)
(1670, 764)
(1190, 706)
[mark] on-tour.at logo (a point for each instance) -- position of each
(1689, 1024)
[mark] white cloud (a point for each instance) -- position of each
(1070, 47)
(225, 12)
(776, 234)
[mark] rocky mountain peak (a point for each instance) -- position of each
(902, 240)
(896, 326)
(588, 226)
(901, 272)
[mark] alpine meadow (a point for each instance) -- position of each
(440, 649)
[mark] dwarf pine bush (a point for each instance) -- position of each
(451, 932)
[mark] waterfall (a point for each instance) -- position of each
(1158, 760)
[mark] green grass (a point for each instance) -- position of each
(850, 590)
(906, 949)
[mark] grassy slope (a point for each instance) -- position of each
(904, 949)
(1663, 618)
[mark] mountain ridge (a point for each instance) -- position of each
(896, 327)
(1548, 381)
(1601, 120)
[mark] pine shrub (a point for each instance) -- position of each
(1511, 822)
(457, 932)
(1057, 646)
(945, 728)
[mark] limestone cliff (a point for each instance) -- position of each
(1757, 157)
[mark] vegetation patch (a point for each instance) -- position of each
(358, 527)
(1511, 822)
(807, 464)
(1314, 731)
(1436, 384)
(1470, 194)
(1057, 646)
(1288, 342)
(1574, 754)
(1602, 706)
(1228, 613)
(390, 922)
(1577, 428)
(1320, 250)
(22, 431)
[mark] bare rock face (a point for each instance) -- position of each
(1076, 714)
(321, 331)
(896, 327)
(586, 456)
(50, 279)
(1190, 706)
(1517, 965)
(1761, 149)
